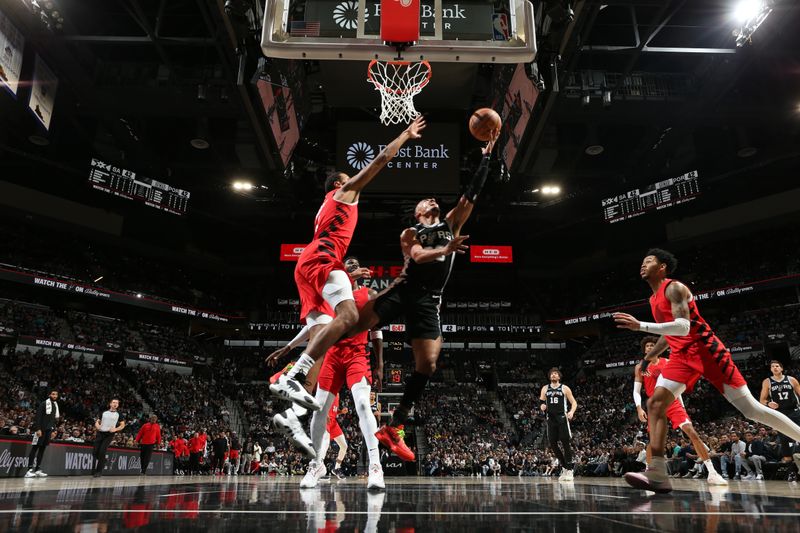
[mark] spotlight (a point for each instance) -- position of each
(98, 279)
(551, 190)
(138, 294)
(746, 10)
(242, 185)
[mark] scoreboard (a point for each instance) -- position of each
(125, 183)
(660, 195)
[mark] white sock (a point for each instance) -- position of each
(710, 466)
(326, 443)
(303, 365)
(366, 420)
(743, 400)
(319, 422)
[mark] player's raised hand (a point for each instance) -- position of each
(486, 150)
(415, 128)
(457, 245)
(273, 358)
(626, 321)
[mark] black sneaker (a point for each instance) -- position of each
(338, 473)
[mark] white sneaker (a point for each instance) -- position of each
(375, 480)
(566, 475)
(290, 389)
(39, 473)
(760, 477)
(715, 479)
(30, 474)
(314, 474)
(749, 477)
(288, 423)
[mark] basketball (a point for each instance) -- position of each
(483, 123)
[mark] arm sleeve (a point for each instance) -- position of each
(478, 180)
(637, 393)
(301, 337)
(677, 328)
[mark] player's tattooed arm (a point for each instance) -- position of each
(679, 296)
(350, 191)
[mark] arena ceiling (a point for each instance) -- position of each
(141, 78)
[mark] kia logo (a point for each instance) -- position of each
(297, 250)
(491, 251)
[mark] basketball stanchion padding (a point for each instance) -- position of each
(400, 21)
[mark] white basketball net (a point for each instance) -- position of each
(398, 82)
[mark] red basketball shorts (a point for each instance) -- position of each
(310, 275)
(688, 366)
(343, 366)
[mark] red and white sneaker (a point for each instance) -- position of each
(640, 480)
(392, 438)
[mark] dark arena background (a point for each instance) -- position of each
(162, 163)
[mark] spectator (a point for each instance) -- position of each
(754, 454)
(47, 415)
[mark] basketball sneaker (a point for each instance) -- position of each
(315, 472)
(566, 475)
(288, 424)
(338, 473)
(392, 438)
(715, 479)
(375, 479)
(30, 473)
(40, 473)
(639, 480)
(290, 389)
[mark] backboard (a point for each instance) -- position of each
(468, 31)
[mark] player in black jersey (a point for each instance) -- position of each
(429, 249)
(781, 392)
(553, 398)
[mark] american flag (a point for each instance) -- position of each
(304, 28)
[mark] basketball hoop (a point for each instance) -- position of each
(398, 82)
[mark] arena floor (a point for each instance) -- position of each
(408, 504)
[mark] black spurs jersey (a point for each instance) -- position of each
(556, 400)
(431, 276)
(782, 393)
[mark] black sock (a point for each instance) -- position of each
(414, 387)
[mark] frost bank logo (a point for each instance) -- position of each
(359, 155)
(346, 15)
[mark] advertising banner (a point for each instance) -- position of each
(481, 253)
(461, 20)
(156, 359)
(36, 342)
(43, 92)
(291, 252)
(11, 45)
(71, 459)
(430, 165)
(11, 273)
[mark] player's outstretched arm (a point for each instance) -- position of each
(679, 296)
(458, 216)
(350, 191)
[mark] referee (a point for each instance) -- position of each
(105, 427)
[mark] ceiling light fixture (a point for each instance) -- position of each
(750, 14)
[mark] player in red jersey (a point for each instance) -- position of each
(676, 412)
(348, 362)
(695, 352)
(324, 286)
